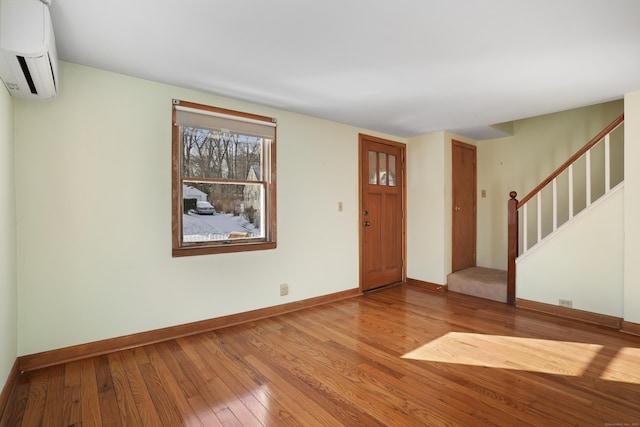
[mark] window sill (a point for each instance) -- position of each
(222, 249)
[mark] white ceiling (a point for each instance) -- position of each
(402, 67)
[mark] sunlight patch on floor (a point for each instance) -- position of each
(625, 367)
(496, 351)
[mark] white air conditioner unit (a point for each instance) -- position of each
(28, 60)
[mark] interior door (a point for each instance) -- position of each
(382, 220)
(464, 206)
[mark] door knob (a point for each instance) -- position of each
(367, 224)
(457, 209)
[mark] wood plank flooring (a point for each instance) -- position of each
(401, 356)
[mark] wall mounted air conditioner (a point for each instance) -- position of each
(28, 60)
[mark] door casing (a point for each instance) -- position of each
(362, 168)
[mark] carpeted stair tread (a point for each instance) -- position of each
(482, 282)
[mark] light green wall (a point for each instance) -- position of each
(519, 162)
(94, 215)
(631, 208)
(8, 279)
(426, 212)
(429, 206)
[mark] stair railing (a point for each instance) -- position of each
(515, 206)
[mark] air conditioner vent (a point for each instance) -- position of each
(27, 74)
(28, 59)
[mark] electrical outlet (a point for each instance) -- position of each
(565, 303)
(284, 289)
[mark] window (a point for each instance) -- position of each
(224, 180)
(378, 169)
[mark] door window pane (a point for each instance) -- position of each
(392, 170)
(373, 167)
(382, 168)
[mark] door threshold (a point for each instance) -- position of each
(379, 288)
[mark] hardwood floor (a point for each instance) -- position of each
(401, 356)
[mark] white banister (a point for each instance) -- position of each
(539, 198)
(570, 191)
(555, 204)
(588, 179)
(607, 163)
(525, 231)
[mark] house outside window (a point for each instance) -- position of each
(252, 197)
(224, 180)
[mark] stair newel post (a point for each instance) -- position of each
(512, 247)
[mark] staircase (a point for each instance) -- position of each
(543, 211)
(481, 282)
(540, 214)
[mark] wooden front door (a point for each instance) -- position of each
(464, 206)
(382, 194)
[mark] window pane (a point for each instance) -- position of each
(373, 167)
(392, 170)
(382, 168)
(219, 154)
(222, 211)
